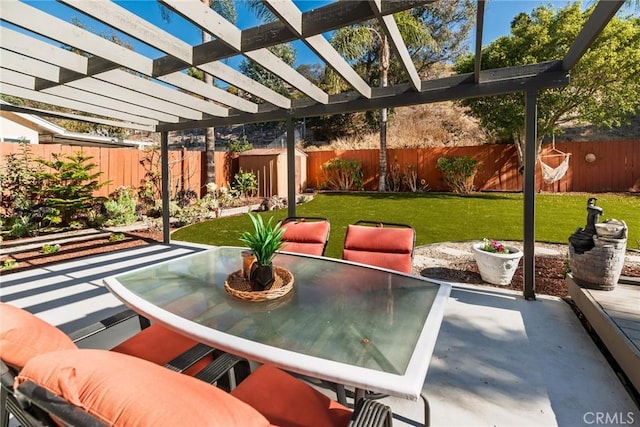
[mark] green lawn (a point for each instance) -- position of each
(438, 217)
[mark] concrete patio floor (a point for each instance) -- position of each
(499, 360)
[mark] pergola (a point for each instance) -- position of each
(155, 94)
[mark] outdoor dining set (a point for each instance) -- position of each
(205, 357)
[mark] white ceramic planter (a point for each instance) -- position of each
(495, 268)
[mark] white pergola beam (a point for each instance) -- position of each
(206, 18)
(332, 58)
(29, 66)
(128, 80)
(196, 86)
(110, 103)
(123, 20)
(34, 48)
(32, 19)
(390, 28)
(103, 88)
(281, 69)
(291, 16)
(202, 16)
(239, 80)
(17, 79)
(46, 98)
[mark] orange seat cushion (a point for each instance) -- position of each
(386, 247)
(122, 390)
(305, 237)
(23, 336)
(289, 402)
(160, 345)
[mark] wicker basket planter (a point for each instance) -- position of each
(240, 287)
(600, 267)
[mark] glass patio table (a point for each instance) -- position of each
(347, 323)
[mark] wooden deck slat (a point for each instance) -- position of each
(615, 317)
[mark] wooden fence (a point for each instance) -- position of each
(128, 167)
(599, 166)
(615, 166)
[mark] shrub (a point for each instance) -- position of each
(186, 197)
(116, 237)
(121, 207)
(245, 183)
(238, 145)
(342, 174)
(49, 249)
(458, 172)
(21, 187)
(8, 264)
(70, 186)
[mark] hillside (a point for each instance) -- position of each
(428, 125)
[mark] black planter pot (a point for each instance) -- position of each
(261, 276)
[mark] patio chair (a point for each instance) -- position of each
(306, 235)
(24, 335)
(382, 244)
(108, 388)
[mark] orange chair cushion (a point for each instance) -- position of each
(160, 345)
(389, 247)
(23, 336)
(122, 390)
(305, 237)
(289, 402)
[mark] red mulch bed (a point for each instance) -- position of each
(549, 270)
(69, 251)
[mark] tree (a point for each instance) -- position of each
(431, 34)
(226, 9)
(265, 77)
(367, 44)
(604, 84)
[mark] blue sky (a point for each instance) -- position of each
(498, 16)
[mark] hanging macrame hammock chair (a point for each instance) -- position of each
(552, 174)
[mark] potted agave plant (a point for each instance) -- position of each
(496, 261)
(264, 241)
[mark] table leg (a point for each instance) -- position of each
(427, 410)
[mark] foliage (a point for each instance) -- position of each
(186, 197)
(604, 84)
(71, 184)
(437, 217)
(399, 179)
(22, 202)
(265, 240)
(49, 249)
(245, 183)
(21, 226)
(190, 214)
(449, 23)
(410, 178)
(342, 174)
(238, 145)
(458, 172)
(257, 72)
(150, 189)
(494, 246)
(8, 264)
(117, 237)
(20, 183)
(121, 207)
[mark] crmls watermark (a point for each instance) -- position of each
(608, 418)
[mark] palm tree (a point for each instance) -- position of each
(367, 45)
(227, 9)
